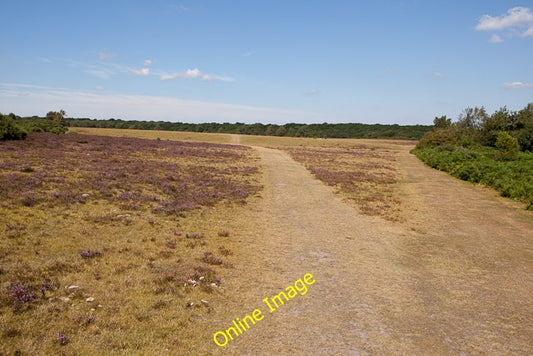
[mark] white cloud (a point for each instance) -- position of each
(513, 22)
(103, 56)
(195, 74)
(438, 75)
(143, 72)
(515, 17)
(528, 33)
(102, 74)
(518, 85)
(147, 62)
(37, 100)
(496, 39)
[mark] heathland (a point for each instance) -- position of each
(150, 242)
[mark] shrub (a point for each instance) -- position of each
(507, 147)
(9, 130)
(439, 137)
(513, 178)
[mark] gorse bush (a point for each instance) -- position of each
(9, 130)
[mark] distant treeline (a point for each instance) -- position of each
(325, 130)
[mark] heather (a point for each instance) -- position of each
(365, 176)
(136, 174)
(110, 243)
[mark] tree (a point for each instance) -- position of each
(523, 126)
(57, 116)
(281, 131)
(507, 146)
(442, 122)
(501, 120)
(471, 119)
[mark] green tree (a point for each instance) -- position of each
(58, 116)
(442, 122)
(501, 120)
(281, 131)
(507, 146)
(523, 126)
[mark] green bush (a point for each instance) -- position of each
(439, 137)
(507, 146)
(9, 130)
(512, 178)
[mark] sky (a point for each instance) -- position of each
(390, 62)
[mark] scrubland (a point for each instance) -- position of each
(148, 244)
(114, 245)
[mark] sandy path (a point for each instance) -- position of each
(449, 280)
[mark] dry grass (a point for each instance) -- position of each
(165, 277)
(362, 174)
(96, 257)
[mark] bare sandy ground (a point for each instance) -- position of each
(455, 277)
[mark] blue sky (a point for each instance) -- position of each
(272, 61)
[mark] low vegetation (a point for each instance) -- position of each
(96, 254)
(495, 150)
(363, 175)
(13, 127)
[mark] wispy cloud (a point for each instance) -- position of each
(196, 74)
(437, 75)
(496, 39)
(33, 99)
(518, 85)
(99, 73)
(314, 92)
(518, 21)
(142, 72)
(106, 56)
(180, 7)
(45, 60)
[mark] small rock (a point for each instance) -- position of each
(205, 302)
(90, 299)
(100, 306)
(64, 299)
(92, 309)
(190, 304)
(73, 287)
(85, 195)
(201, 278)
(214, 285)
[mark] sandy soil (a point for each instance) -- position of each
(454, 277)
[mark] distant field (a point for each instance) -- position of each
(252, 140)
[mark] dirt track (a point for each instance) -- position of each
(455, 276)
